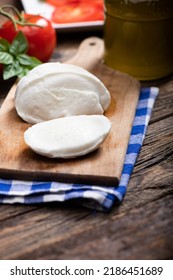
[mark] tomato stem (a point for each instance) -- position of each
(14, 9)
(10, 17)
(21, 20)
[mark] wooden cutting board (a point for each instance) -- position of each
(101, 167)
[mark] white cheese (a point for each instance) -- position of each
(53, 90)
(68, 137)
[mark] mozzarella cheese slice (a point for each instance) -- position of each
(68, 137)
(53, 90)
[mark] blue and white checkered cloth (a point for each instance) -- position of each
(96, 197)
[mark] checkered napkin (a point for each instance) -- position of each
(96, 197)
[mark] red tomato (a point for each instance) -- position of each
(58, 3)
(41, 40)
(81, 12)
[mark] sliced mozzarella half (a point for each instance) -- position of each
(53, 90)
(68, 137)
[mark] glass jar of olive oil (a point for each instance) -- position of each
(138, 36)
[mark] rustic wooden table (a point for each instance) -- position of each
(140, 228)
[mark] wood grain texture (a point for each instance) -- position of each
(140, 228)
(102, 167)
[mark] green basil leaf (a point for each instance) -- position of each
(24, 71)
(27, 60)
(19, 44)
(4, 45)
(6, 58)
(11, 70)
(33, 62)
(16, 62)
(23, 59)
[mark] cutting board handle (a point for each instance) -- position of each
(89, 53)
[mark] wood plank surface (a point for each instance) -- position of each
(104, 166)
(140, 228)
